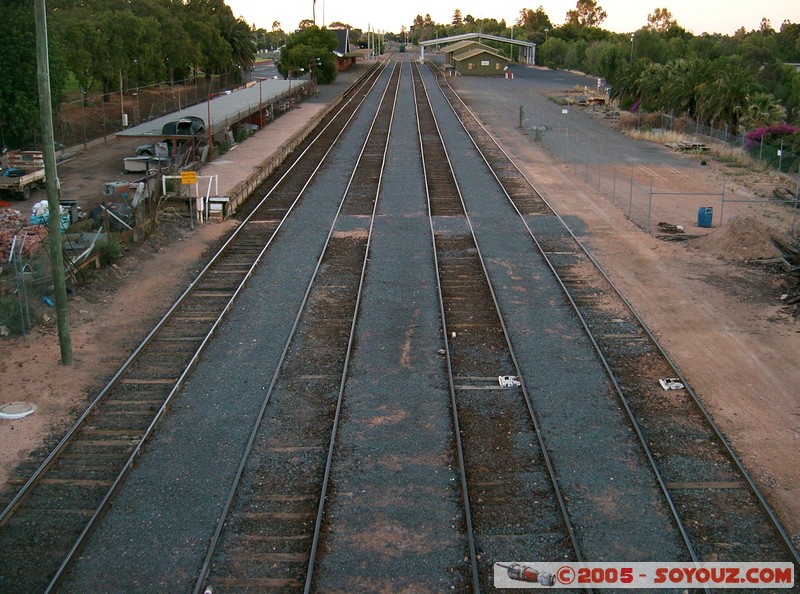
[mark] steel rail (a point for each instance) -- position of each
(214, 541)
(657, 473)
(528, 401)
(122, 475)
(786, 540)
(350, 342)
(128, 465)
(59, 448)
(473, 555)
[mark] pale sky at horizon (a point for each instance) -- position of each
(696, 16)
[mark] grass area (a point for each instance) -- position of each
(731, 156)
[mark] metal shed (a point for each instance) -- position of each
(479, 61)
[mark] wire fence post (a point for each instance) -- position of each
(796, 200)
(722, 204)
(614, 187)
(600, 166)
(650, 204)
(630, 196)
(586, 174)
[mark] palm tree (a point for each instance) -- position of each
(650, 84)
(624, 86)
(762, 110)
(684, 86)
(241, 40)
(726, 98)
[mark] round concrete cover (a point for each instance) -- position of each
(16, 410)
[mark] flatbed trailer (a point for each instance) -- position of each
(20, 172)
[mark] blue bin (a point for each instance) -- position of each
(705, 215)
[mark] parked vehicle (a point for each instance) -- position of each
(186, 126)
(20, 171)
(158, 149)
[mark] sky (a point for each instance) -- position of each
(624, 16)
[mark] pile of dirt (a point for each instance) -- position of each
(740, 239)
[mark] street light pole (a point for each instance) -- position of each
(632, 36)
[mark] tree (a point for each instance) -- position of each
(660, 20)
(788, 42)
(310, 47)
(606, 58)
(241, 40)
(534, 20)
(763, 110)
(19, 103)
(651, 83)
(587, 13)
(685, 85)
(553, 52)
(725, 99)
(457, 20)
(305, 24)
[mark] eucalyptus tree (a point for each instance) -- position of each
(606, 59)
(19, 103)
(310, 47)
(104, 39)
(173, 53)
(553, 52)
(587, 13)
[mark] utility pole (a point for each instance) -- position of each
(54, 217)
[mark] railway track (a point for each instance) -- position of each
(718, 509)
(268, 534)
(514, 508)
(46, 522)
(277, 527)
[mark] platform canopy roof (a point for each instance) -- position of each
(224, 108)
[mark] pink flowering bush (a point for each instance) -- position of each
(773, 134)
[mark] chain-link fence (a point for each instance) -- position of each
(775, 154)
(97, 115)
(655, 190)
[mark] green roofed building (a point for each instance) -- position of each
(479, 61)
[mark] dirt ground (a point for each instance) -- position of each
(720, 319)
